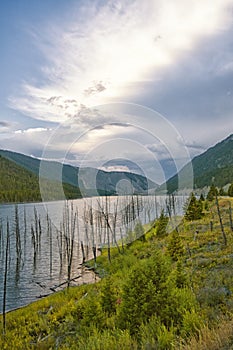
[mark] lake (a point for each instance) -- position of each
(44, 236)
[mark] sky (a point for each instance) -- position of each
(122, 85)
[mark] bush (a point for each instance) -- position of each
(149, 291)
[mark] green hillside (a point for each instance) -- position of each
(162, 291)
(214, 164)
(20, 185)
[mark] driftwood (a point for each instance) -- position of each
(53, 289)
(43, 295)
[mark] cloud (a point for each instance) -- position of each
(29, 141)
(97, 87)
(4, 124)
(105, 48)
(32, 130)
(115, 168)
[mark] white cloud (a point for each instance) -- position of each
(103, 50)
(115, 168)
(32, 130)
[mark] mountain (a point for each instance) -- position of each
(18, 184)
(91, 181)
(215, 164)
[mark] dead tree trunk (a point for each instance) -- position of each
(230, 216)
(69, 224)
(25, 233)
(5, 277)
(220, 220)
(17, 236)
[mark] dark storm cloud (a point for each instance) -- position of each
(200, 86)
(5, 124)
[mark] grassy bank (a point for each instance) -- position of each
(160, 292)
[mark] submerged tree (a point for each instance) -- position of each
(69, 224)
(5, 276)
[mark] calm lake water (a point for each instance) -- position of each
(45, 231)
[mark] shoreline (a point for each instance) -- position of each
(87, 276)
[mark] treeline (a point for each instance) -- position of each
(215, 191)
(222, 176)
(19, 185)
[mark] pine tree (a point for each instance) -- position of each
(213, 191)
(162, 224)
(230, 190)
(202, 198)
(108, 296)
(194, 209)
(147, 288)
(175, 247)
(222, 192)
(138, 230)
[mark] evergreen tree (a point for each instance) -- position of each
(108, 296)
(194, 209)
(147, 288)
(138, 230)
(175, 247)
(202, 198)
(181, 277)
(213, 191)
(230, 190)
(222, 192)
(162, 224)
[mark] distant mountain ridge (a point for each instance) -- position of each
(104, 182)
(215, 164)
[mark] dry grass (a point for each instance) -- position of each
(219, 338)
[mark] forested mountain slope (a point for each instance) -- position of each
(215, 164)
(20, 185)
(90, 178)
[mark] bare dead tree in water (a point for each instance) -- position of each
(7, 251)
(78, 233)
(17, 236)
(25, 233)
(60, 245)
(69, 224)
(50, 237)
(40, 232)
(156, 207)
(105, 212)
(115, 215)
(34, 246)
(1, 239)
(99, 228)
(86, 231)
(91, 220)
